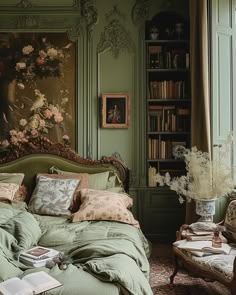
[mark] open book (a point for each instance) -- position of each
(31, 284)
(202, 246)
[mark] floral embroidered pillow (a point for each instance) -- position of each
(12, 178)
(52, 196)
(8, 191)
(83, 183)
(104, 205)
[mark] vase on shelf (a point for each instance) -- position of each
(205, 208)
(154, 33)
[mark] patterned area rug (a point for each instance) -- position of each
(162, 268)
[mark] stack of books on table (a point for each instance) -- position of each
(194, 235)
(38, 256)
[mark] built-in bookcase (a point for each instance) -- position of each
(168, 97)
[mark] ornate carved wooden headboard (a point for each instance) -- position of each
(39, 154)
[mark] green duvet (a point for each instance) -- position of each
(107, 258)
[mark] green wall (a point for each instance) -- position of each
(110, 58)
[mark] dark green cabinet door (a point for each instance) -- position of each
(161, 214)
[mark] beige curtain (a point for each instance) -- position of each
(200, 135)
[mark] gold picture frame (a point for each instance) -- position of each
(115, 109)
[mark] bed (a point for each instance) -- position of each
(106, 250)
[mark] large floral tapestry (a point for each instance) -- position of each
(37, 88)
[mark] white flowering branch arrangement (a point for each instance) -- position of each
(205, 178)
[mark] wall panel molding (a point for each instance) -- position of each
(115, 36)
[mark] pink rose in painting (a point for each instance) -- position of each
(34, 133)
(42, 123)
(47, 114)
(20, 135)
(40, 61)
(58, 118)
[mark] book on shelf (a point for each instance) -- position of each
(151, 173)
(202, 246)
(33, 283)
(154, 57)
(38, 256)
(167, 89)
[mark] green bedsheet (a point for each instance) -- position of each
(108, 258)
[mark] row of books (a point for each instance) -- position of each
(168, 119)
(162, 57)
(167, 89)
(162, 149)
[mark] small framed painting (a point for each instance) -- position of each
(115, 110)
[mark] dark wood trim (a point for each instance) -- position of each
(42, 145)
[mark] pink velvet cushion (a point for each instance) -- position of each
(104, 205)
(83, 177)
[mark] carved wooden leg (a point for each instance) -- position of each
(175, 269)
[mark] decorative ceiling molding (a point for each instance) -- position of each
(140, 11)
(24, 4)
(28, 16)
(90, 14)
(27, 21)
(114, 13)
(73, 32)
(115, 36)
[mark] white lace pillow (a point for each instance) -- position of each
(7, 191)
(52, 196)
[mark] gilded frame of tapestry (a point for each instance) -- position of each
(74, 18)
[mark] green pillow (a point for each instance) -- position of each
(107, 180)
(12, 178)
(98, 181)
